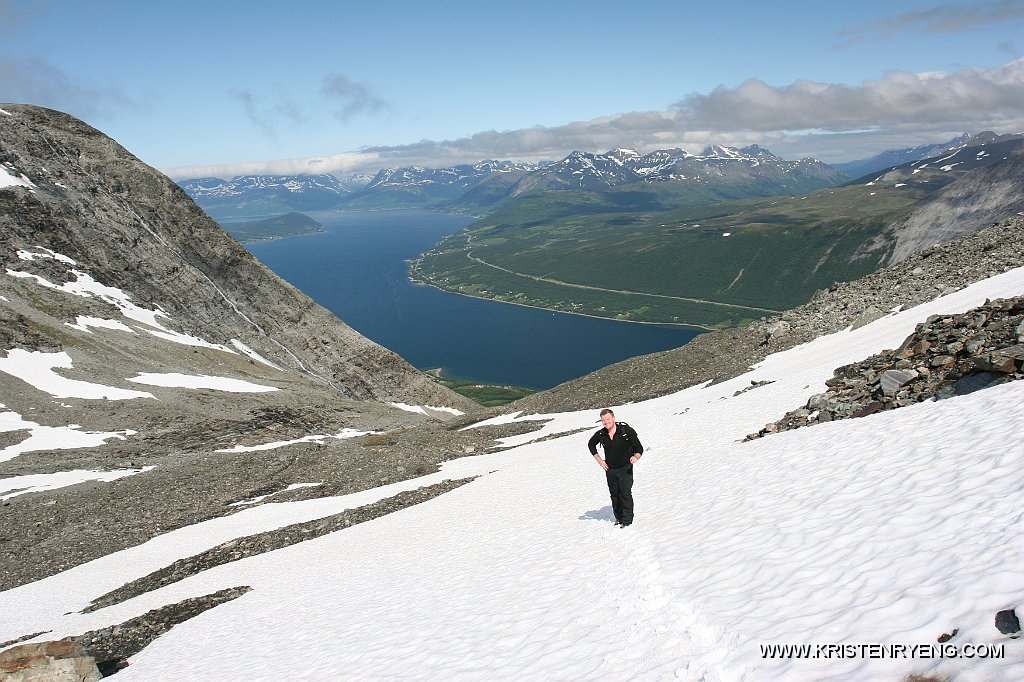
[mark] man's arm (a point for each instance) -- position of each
(638, 447)
(592, 445)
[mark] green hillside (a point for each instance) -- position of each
(712, 264)
(275, 227)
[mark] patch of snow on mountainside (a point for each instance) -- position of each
(85, 286)
(341, 435)
(37, 369)
(34, 483)
(178, 380)
(50, 437)
(9, 177)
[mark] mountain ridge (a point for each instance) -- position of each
(483, 186)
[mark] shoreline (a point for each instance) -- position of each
(702, 328)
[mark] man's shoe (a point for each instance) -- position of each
(618, 522)
(623, 524)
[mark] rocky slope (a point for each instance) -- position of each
(981, 197)
(138, 336)
(945, 356)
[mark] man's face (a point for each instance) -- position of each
(608, 420)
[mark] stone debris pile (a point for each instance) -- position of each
(947, 355)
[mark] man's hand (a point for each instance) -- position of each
(603, 464)
(634, 459)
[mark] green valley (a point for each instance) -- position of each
(712, 265)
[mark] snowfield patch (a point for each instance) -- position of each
(85, 286)
(9, 177)
(50, 437)
(253, 354)
(84, 323)
(343, 434)
(34, 483)
(422, 409)
(37, 369)
(178, 380)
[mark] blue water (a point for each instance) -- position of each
(357, 269)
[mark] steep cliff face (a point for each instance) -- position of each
(980, 198)
(77, 193)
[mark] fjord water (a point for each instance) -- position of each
(358, 269)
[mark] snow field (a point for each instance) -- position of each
(891, 529)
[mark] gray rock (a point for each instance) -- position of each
(818, 401)
(777, 329)
(892, 380)
(976, 381)
(1008, 623)
(869, 315)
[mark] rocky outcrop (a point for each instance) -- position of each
(48, 662)
(112, 646)
(947, 355)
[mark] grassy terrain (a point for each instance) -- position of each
(275, 227)
(488, 395)
(707, 264)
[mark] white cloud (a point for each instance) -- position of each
(831, 121)
(979, 98)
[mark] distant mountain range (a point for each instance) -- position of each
(714, 165)
(482, 187)
(467, 188)
(897, 157)
(261, 195)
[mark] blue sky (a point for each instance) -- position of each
(221, 88)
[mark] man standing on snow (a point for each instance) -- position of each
(622, 449)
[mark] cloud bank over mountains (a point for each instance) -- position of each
(832, 122)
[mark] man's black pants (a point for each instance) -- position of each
(620, 487)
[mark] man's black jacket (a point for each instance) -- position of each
(618, 450)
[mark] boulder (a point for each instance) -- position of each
(61, 661)
(892, 379)
(1008, 623)
(870, 314)
(1006, 360)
